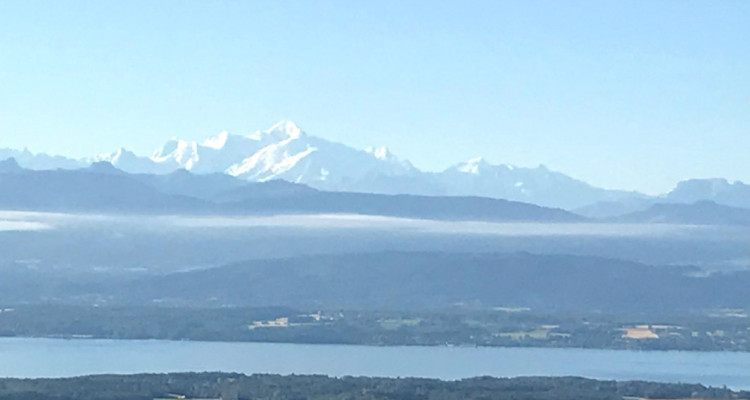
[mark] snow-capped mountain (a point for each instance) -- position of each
(290, 154)
(128, 161)
(536, 185)
(286, 152)
(282, 152)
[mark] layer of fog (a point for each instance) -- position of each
(170, 243)
(11, 226)
(13, 220)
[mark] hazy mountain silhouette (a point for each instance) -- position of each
(286, 152)
(720, 191)
(103, 188)
(396, 280)
(616, 208)
(98, 188)
(700, 213)
(10, 165)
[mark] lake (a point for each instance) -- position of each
(32, 358)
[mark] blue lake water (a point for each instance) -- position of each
(29, 358)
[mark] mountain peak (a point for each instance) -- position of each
(182, 151)
(217, 142)
(284, 130)
(478, 161)
(9, 165)
(696, 189)
(113, 158)
(381, 153)
(721, 190)
(285, 151)
(472, 166)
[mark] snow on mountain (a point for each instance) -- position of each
(539, 185)
(283, 151)
(292, 155)
(477, 166)
(217, 142)
(130, 162)
(286, 152)
(399, 166)
(177, 152)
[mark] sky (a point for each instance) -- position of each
(622, 94)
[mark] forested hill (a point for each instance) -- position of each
(414, 280)
(267, 387)
(406, 281)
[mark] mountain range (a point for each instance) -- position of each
(707, 195)
(103, 188)
(698, 213)
(285, 152)
(407, 281)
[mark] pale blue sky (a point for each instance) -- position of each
(623, 94)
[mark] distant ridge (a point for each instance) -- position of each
(717, 191)
(10, 165)
(286, 152)
(413, 280)
(721, 191)
(104, 188)
(699, 213)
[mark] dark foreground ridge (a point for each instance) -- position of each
(236, 387)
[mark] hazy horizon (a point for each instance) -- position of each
(245, 187)
(631, 96)
(448, 164)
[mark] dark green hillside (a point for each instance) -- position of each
(274, 387)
